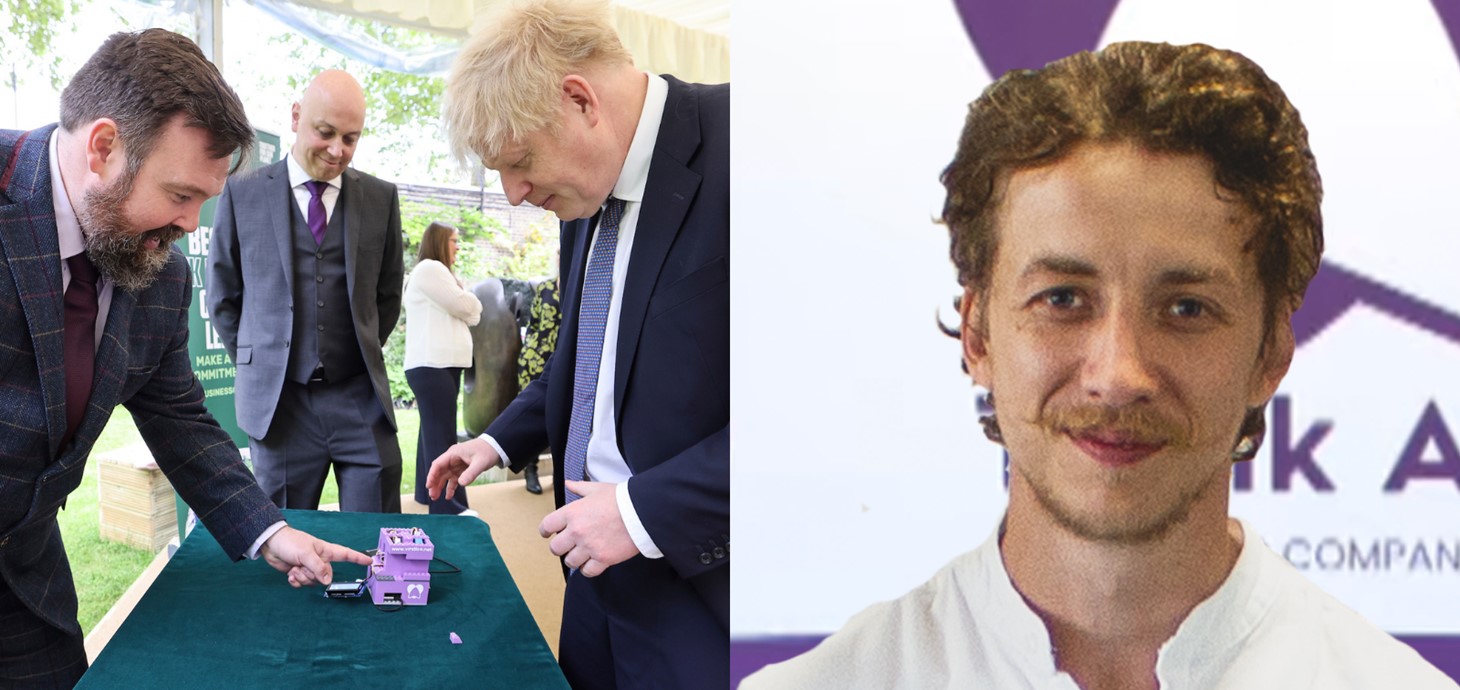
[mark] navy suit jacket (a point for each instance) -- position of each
(671, 390)
(142, 363)
(251, 281)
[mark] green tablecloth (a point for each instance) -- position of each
(209, 622)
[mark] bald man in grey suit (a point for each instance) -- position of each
(304, 288)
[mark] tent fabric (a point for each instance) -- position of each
(686, 38)
(432, 61)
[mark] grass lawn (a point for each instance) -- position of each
(104, 569)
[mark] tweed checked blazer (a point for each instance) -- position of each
(142, 363)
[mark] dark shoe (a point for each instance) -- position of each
(533, 485)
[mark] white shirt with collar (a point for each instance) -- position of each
(68, 233)
(297, 178)
(605, 463)
(1266, 627)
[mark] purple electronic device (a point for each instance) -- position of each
(401, 573)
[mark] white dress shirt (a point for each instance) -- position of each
(297, 178)
(1266, 627)
(604, 462)
(68, 233)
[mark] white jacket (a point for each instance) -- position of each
(439, 317)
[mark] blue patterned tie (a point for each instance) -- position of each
(592, 317)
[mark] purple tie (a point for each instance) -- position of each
(80, 341)
(316, 209)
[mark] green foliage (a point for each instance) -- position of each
(486, 249)
(474, 228)
(537, 256)
(33, 27)
(395, 366)
(533, 258)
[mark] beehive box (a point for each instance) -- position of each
(137, 505)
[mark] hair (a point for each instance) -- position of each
(1191, 99)
(435, 244)
(505, 83)
(142, 81)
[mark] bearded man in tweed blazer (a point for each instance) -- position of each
(147, 131)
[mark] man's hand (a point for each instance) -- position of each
(459, 466)
(306, 558)
(590, 532)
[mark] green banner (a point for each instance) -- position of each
(210, 359)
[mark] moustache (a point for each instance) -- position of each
(1128, 424)
(164, 235)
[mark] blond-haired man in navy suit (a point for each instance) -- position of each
(635, 401)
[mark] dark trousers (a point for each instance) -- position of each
(32, 653)
(435, 390)
(639, 625)
(330, 424)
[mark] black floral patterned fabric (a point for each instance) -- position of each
(542, 333)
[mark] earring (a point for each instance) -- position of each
(990, 421)
(1249, 438)
(1246, 450)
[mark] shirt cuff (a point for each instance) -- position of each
(631, 521)
(253, 551)
(493, 443)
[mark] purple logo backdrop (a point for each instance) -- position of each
(1028, 34)
(1336, 289)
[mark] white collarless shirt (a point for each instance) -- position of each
(604, 462)
(1266, 627)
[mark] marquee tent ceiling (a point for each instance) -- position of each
(688, 38)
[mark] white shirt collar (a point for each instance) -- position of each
(635, 174)
(68, 229)
(1224, 619)
(297, 176)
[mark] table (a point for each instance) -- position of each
(209, 622)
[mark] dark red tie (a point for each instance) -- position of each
(80, 341)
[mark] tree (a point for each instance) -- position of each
(403, 111)
(33, 28)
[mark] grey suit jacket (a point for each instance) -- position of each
(251, 281)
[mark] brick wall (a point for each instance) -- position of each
(518, 220)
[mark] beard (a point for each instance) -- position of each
(1124, 529)
(117, 253)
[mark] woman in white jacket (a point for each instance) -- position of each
(439, 315)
